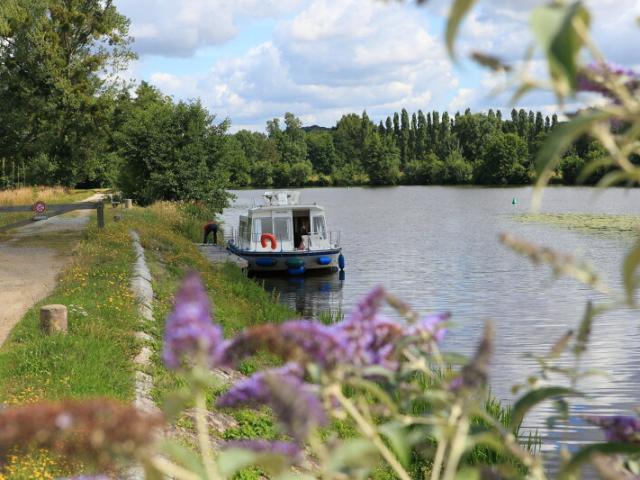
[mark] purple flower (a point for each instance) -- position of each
(371, 339)
(294, 402)
(254, 390)
(429, 327)
(289, 450)
(592, 78)
(189, 328)
(315, 341)
(298, 340)
(618, 428)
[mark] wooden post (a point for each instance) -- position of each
(100, 215)
(53, 319)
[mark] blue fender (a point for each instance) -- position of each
(323, 260)
(266, 262)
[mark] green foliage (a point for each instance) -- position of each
(456, 170)
(176, 148)
(416, 149)
(321, 151)
(57, 60)
(503, 161)
(571, 166)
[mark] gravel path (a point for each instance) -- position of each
(28, 273)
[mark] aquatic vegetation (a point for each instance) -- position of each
(586, 222)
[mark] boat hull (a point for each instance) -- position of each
(289, 263)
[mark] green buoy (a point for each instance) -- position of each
(514, 201)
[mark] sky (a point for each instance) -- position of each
(254, 60)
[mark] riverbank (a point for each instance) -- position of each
(96, 357)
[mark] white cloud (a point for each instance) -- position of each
(178, 28)
(330, 59)
(338, 56)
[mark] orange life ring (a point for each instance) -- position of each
(265, 237)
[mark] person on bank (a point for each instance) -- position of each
(211, 227)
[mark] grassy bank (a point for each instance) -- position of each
(586, 222)
(95, 358)
(30, 195)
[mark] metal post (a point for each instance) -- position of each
(100, 209)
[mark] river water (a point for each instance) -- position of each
(437, 248)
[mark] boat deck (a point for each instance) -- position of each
(219, 254)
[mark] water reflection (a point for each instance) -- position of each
(309, 294)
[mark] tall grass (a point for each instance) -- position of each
(28, 195)
(185, 218)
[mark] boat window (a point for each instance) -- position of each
(244, 231)
(318, 226)
(282, 229)
(262, 225)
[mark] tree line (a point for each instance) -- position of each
(67, 118)
(435, 148)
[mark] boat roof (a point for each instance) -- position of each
(282, 200)
(269, 208)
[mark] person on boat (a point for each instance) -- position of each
(211, 227)
(303, 238)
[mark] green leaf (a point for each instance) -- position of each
(563, 136)
(614, 178)
(376, 391)
(584, 455)
(557, 143)
(629, 276)
(487, 439)
(357, 452)
(459, 9)
(468, 473)
(522, 90)
(396, 434)
(592, 167)
(561, 345)
(183, 456)
(533, 398)
(296, 476)
(584, 331)
(175, 403)
(554, 27)
(234, 459)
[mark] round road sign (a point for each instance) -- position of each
(39, 207)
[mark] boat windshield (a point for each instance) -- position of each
(262, 225)
(282, 228)
(319, 227)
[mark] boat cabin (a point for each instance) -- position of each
(295, 227)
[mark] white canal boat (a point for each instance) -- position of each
(283, 235)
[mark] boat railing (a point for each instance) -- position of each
(314, 240)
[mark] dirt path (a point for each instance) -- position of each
(31, 257)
